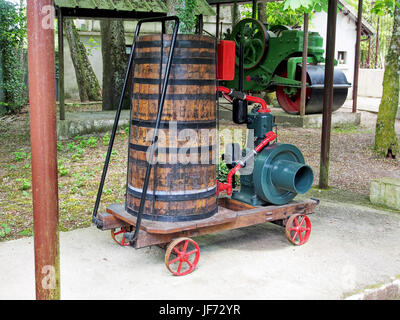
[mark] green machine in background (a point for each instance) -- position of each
(272, 62)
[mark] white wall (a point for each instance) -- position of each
(370, 82)
(345, 40)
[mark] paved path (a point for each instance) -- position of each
(350, 247)
(364, 104)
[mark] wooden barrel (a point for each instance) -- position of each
(182, 184)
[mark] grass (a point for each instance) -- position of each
(352, 129)
(80, 163)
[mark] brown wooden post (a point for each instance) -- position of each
(304, 68)
(328, 94)
(369, 52)
(377, 43)
(357, 56)
(61, 96)
(42, 100)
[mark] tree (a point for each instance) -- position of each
(88, 85)
(115, 61)
(235, 14)
(184, 10)
(386, 140)
(13, 93)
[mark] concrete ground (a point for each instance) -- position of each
(350, 247)
(369, 104)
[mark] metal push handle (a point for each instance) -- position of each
(95, 220)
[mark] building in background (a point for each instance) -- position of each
(346, 33)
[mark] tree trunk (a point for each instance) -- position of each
(385, 134)
(184, 9)
(88, 85)
(235, 14)
(262, 11)
(115, 62)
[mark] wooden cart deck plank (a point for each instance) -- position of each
(223, 215)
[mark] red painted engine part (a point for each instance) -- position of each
(226, 60)
(231, 92)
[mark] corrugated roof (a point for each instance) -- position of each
(130, 5)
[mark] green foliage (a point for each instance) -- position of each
(106, 139)
(222, 171)
(12, 35)
(383, 7)
(289, 12)
(91, 46)
(62, 170)
(276, 15)
(306, 5)
(4, 230)
(185, 13)
(25, 184)
(19, 156)
(92, 142)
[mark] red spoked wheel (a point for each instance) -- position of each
(118, 236)
(182, 256)
(298, 229)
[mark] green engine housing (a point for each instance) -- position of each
(279, 172)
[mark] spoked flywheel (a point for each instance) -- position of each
(182, 256)
(298, 229)
(254, 37)
(289, 97)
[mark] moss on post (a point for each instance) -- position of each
(385, 134)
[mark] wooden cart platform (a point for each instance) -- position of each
(231, 214)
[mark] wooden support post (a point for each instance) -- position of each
(369, 52)
(328, 95)
(304, 68)
(42, 100)
(377, 43)
(61, 96)
(357, 56)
